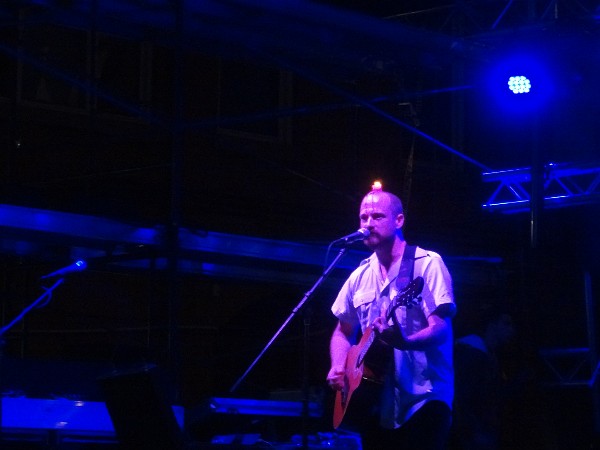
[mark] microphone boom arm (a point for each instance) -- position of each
(47, 293)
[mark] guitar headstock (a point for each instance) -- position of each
(410, 295)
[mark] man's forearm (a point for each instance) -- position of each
(338, 349)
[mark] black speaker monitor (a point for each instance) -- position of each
(141, 414)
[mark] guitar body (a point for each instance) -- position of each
(355, 365)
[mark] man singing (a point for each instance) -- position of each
(413, 408)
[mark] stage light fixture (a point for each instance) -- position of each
(519, 84)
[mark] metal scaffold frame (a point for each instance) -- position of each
(563, 185)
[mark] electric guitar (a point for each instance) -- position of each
(355, 359)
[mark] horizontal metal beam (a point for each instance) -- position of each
(107, 244)
(306, 32)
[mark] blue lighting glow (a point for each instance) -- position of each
(529, 72)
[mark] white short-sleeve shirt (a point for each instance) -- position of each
(419, 375)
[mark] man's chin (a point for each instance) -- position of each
(370, 244)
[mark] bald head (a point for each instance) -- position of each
(384, 199)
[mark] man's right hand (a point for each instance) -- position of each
(335, 378)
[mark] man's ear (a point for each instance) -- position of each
(399, 220)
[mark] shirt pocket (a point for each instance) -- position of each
(363, 298)
(364, 302)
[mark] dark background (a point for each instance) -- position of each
(272, 121)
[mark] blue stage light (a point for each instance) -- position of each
(519, 84)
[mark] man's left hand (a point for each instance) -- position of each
(390, 335)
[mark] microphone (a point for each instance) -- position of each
(359, 235)
(77, 266)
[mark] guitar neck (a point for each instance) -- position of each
(365, 343)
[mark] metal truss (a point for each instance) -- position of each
(577, 366)
(563, 185)
(571, 367)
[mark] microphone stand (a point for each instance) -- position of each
(4, 329)
(305, 393)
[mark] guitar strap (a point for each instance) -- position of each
(406, 270)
